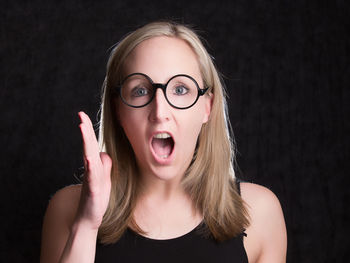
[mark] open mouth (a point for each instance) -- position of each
(162, 144)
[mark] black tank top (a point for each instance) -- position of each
(191, 247)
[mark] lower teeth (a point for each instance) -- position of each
(164, 156)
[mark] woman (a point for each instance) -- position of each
(164, 187)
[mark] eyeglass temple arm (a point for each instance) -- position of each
(202, 91)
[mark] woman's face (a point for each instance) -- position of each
(148, 128)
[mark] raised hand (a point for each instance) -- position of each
(97, 178)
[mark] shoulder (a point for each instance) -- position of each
(63, 205)
(59, 216)
(71, 191)
(65, 201)
(266, 236)
(259, 197)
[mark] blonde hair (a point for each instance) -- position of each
(209, 180)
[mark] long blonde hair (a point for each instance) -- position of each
(209, 180)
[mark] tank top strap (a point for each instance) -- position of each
(238, 185)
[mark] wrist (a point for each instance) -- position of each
(80, 226)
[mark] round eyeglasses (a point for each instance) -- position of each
(181, 91)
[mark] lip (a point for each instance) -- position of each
(159, 160)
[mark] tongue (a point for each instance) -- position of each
(162, 147)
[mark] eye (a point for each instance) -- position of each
(180, 90)
(140, 91)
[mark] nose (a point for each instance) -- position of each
(160, 108)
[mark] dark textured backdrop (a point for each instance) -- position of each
(286, 66)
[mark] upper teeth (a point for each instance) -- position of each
(163, 135)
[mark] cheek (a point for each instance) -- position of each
(192, 127)
(195, 121)
(132, 124)
(127, 117)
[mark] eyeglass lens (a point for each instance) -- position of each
(137, 90)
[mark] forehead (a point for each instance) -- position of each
(163, 57)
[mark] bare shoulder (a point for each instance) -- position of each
(259, 197)
(59, 216)
(63, 204)
(266, 236)
(67, 197)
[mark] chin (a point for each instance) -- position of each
(167, 173)
(170, 170)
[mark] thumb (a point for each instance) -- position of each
(106, 163)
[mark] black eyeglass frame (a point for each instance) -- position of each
(163, 87)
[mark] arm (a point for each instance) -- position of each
(60, 234)
(266, 239)
(75, 213)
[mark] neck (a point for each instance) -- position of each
(154, 187)
(163, 205)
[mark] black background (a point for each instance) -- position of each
(286, 68)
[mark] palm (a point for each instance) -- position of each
(97, 183)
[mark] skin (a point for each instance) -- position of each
(163, 209)
(161, 58)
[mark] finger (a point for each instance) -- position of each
(85, 118)
(89, 134)
(90, 144)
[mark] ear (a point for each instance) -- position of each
(209, 98)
